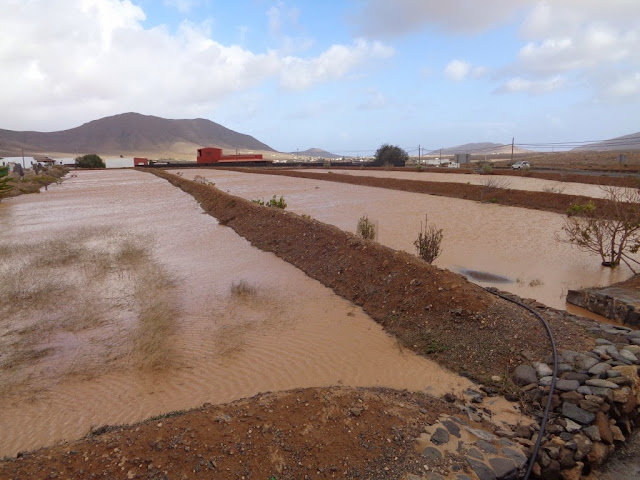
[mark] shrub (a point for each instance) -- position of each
(4, 179)
(428, 242)
(390, 155)
(365, 228)
(485, 169)
(272, 203)
(90, 161)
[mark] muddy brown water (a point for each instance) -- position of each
(291, 332)
(517, 245)
(502, 181)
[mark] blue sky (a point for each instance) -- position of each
(342, 75)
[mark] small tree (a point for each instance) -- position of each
(390, 155)
(365, 228)
(428, 241)
(4, 181)
(90, 161)
(612, 231)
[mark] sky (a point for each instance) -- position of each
(346, 76)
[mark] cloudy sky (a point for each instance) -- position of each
(342, 75)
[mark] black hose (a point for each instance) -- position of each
(547, 409)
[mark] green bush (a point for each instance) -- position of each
(272, 203)
(4, 181)
(365, 228)
(579, 208)
(90, 161)
(388, 155)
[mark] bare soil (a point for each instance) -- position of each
(310, 433)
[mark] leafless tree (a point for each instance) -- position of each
(611, 230)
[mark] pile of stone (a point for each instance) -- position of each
(595, 404)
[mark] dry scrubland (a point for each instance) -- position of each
(32, 182)
(96, 291)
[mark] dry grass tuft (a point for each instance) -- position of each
(242, 288)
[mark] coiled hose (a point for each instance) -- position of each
(547, 408)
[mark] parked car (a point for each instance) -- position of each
(521, 165)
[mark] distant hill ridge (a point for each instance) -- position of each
(315, 153)
(626, 142)
(479, 149)
(130, 134)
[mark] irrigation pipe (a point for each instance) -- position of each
(547, 409)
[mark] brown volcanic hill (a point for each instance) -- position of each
(130, 134)
(626, 142)
(487, 148)
(315, 153)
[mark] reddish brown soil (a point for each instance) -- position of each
(311, 433)
(432, 311)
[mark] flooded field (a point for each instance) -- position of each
(112, 266)
(519, 245)
(501, 181)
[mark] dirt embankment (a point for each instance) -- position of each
(432, 311)
(308, 433)
(546, 201)
(32, 182)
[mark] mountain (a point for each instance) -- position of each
(626, 142)
(316, 153)
(130, 134)
(479, 149)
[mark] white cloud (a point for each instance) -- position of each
(523, 85)
(381, 18)
(375, 100)
(183, 6)
(332, 64)
(594, 45)
(104, 61)
(458, 70)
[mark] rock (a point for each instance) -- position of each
(573, 397)
(584, 362)
(635, 349)
(481, 469)
(566, 458)
(452, 428)
(542, 369)
(599, 368)
(571, 426)
(434, 476)
(598, 454)
(599, 382)
(574, 412)
(517, 456)
(566, 385)
(475, 453)
(621, 395)
(617, 433)
(482, 434)
(592, 432)
(590, 404)
(564, 367)
(603, 341)
(584, 390)
(524, 375)
(523, 431)
(431, 453)
(605, 393)
(502, 467)
(486, 447)
(583, 446)
(580, 377)
(496, 378)
(574, 474)
(603, 428)
(635, 340)
(545, 381)
(440, 436)
(613, 373)
(627, 355)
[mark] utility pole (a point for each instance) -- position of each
(418, 154)
(23, 165)
(512, 141)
